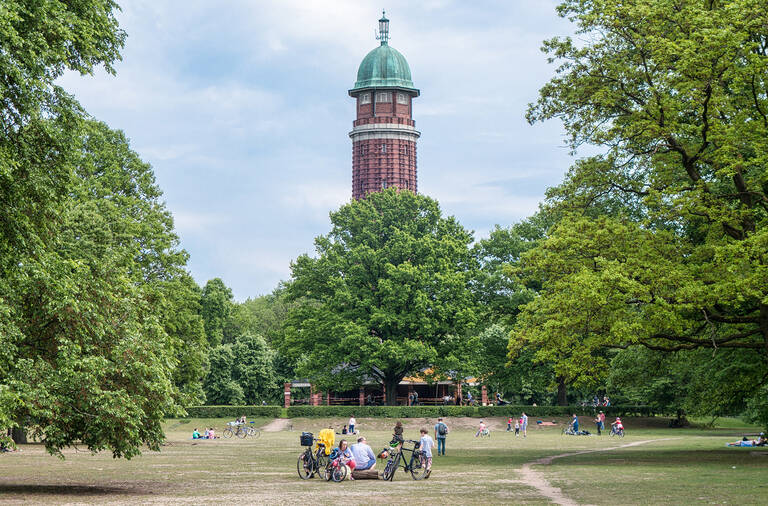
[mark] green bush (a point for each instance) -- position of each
(379, 411)
(481, 411)
(233, 411)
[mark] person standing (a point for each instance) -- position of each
(601, 415)
(425, 445)
(597, 424)
(524, 424)
(575, 424)
(441, 431)
(352, 423)
(517, 428)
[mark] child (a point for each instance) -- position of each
(397, 433)
(426, 443)
(195, 434)
(480, 428)
(509, 424)
(617, 425)
(517, 428)
(211, 434)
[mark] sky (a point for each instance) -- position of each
(242, 109)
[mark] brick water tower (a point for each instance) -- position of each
(384, 134)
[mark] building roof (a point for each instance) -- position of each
(384, 67)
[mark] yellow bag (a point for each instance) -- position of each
(328, 438)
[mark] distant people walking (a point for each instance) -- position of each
(441, 431)
(425, 445)
(524, 424)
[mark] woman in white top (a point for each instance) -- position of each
(352, 423)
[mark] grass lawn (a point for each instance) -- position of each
(681, 466)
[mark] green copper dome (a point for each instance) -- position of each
(383, 67)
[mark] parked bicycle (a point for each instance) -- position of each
(241, 430)
(416, 465)
(336, 470)
(312, 463)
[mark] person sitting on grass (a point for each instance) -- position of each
(346, 456)
(761, 440)
(211, 433)
(426, 443)
(195, 434)
(364, 457)
(480, 428)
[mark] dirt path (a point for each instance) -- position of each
(554, 494)
(276, 425)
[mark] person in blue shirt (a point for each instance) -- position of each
(575, 423)
(363, 454)
(425, 445)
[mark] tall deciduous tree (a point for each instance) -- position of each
(217, 307)
(677, 94)
(389, 285)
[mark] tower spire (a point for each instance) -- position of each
(383, 34)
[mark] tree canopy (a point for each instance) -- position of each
(676, 94)
(388, 287)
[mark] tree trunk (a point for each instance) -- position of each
(562, 392)
(19, 435)
(391, 386)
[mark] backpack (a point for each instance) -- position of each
(442, 429)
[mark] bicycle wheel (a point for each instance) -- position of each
(564, 431)
(304, 467)
(322, 460)
(339, 473)
(389, 470)
(621, 433)
(227, 432)
(254, 432)
(418, 467)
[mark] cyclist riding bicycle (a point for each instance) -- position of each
(617, 425)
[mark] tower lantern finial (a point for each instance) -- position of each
(383, 35)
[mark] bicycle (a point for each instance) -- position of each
(310, 464)
(417, 465)
(241, 431)
(568, 431)
(485, 433)
(335, 470)
(616, 432)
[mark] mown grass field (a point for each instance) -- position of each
(667, 466)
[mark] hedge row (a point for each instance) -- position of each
(233, 411)
(413, 411)
(481, 411)
(379, 411)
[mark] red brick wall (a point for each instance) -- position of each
(379, 163)
(373, 166)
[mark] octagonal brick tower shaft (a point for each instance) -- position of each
(384, 134)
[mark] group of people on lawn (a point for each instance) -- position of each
(360, 456)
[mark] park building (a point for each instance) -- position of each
(384, 134)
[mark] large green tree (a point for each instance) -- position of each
(216, 306)
(676, 94)
(388, 292)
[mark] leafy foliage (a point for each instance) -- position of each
(663, 237)
(389, 285)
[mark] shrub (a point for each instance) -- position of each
(233, 411)
(481, 411)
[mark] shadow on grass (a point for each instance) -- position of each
(74, 490)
